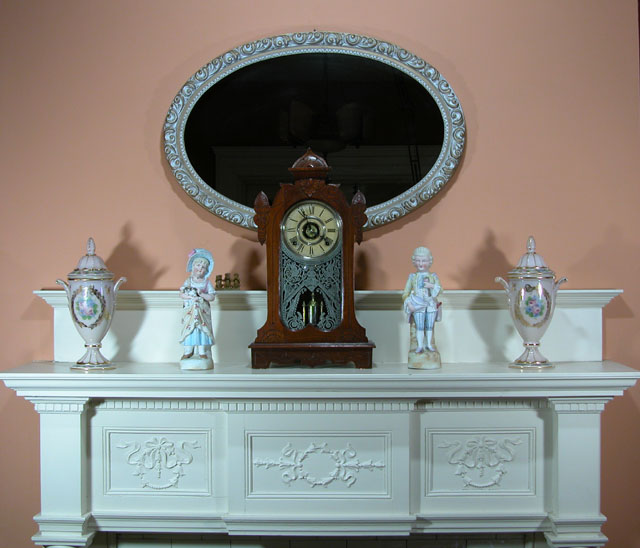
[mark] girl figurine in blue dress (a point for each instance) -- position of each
(197, 294)
(419, 299)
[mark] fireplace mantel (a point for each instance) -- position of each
(473, 448)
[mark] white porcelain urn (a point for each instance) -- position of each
(531, 291)
(92, 298)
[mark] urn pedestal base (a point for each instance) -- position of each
(531, 358)
(93, 360)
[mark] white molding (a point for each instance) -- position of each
(578, 405)
(486, 523)
(133, 521)
(317, 525)
(64, 529)
(59, 405)
(480, 474)
(258, 406)
(317, 406)
(184, 446)
(463, 299)
(497, 404)
(387, 381)
(158, 405)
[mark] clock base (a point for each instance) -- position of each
(358, 354)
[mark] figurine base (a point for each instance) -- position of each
(531, 358)
(196, 364)
(427, 359)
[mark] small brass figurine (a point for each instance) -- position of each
(219, 284)
(227, 282)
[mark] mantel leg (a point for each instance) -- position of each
(575, 477)
(63, 518)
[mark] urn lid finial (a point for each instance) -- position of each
(531, 259)
(91, 266)
(531, 263)
(91, 247)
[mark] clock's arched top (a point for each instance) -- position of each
(369, 105)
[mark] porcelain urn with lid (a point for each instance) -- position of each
(91, 293)
(531, 290)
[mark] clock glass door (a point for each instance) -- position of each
(311, 267)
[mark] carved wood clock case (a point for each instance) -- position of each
(310, 231)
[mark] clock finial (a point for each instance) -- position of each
(309, 166)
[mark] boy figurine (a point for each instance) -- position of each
(421, 308)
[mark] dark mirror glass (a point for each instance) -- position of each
(379, 129)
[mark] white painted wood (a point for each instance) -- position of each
(394, 382)
(64, 507)
(575, 490)
(475, 458)
(320, 452)
(476, 326)
(474, 454)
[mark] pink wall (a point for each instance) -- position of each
(550, 94)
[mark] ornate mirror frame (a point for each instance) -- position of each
(316, 42)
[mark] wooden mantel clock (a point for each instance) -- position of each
(310, 231)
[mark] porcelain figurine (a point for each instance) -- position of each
(422, 309)
(92, 297)
(197, 294)
(531, 291)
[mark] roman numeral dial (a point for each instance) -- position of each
(311, 229)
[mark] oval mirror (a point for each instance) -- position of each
(385, 120)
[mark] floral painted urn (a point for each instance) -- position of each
(92, 298)
(531, 291)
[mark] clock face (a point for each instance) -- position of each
(311, 229)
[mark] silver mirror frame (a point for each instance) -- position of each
(316, 42)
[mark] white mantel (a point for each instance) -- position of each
(473, 448)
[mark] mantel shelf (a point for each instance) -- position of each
(228, 380)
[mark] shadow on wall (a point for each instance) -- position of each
(250, 261)
(488, 263)
(127, 260)
(368, 273)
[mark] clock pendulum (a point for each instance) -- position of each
(310, 231)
